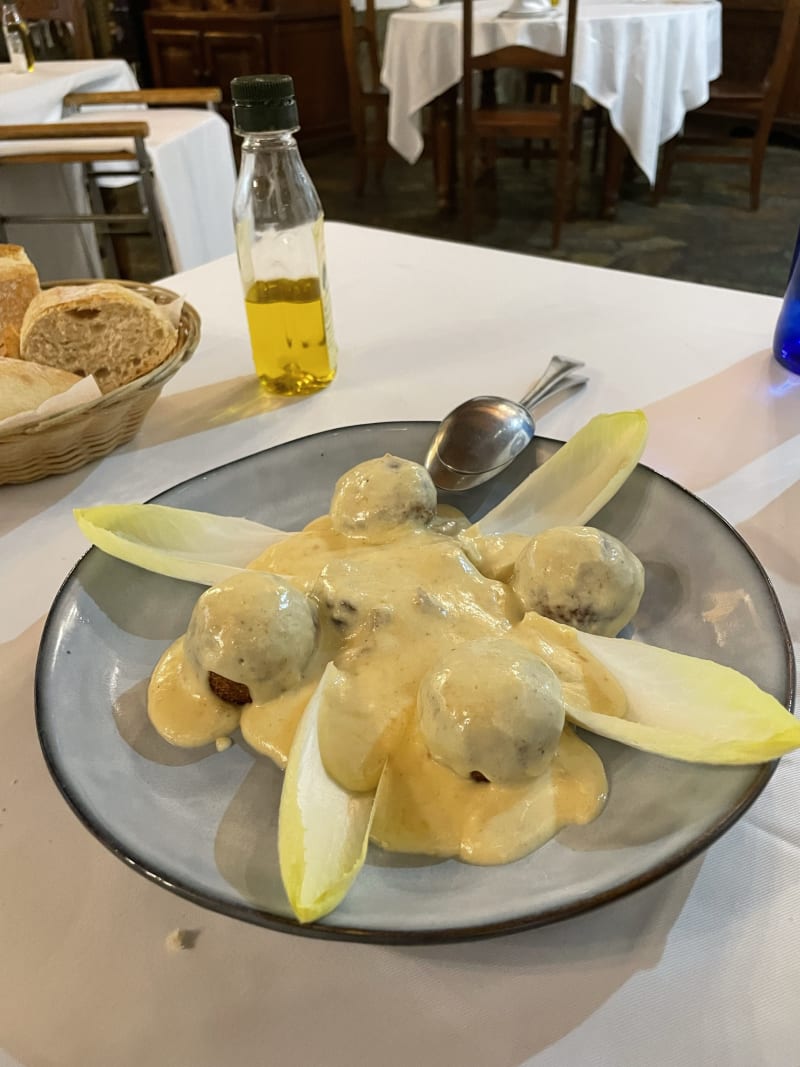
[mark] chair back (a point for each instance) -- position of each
(522, 58)
(64, 13)
(360, 41)
(775, 78)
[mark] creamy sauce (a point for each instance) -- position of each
(496, 555)
(182, 707)
(387, 614)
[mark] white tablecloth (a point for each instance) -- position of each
(192, 161)
(647, 63)
(38, 96)
(700, 969)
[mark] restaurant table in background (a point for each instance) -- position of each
(699, 968)
(647, 63)
(38, 97)
(192, 163)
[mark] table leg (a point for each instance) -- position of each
(445, 147)
(616, 151)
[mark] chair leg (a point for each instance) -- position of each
(153, 212)
(668, 153)
(576, 151)
(758, 152)
(469, 184)
(382, 146)
(598, 124)
(104, 237)
(360, 171)
(380, 164)
(562, 178)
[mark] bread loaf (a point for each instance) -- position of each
(103, 329)
(19, 284)
(24, 386)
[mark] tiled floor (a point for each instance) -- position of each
(702, 231)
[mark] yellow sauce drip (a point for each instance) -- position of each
(182, 707)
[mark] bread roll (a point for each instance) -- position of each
(19, 284)
(24, 386)
(103, 329)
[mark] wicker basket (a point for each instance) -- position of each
(63, 442)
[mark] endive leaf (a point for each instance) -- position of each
(191, 545)
(323, 829)
(574, 483)
(686, 708)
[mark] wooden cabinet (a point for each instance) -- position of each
(229, 53)
(749, 36)
(176, 57)
(209, 42)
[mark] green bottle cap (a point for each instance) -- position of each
(264, 102)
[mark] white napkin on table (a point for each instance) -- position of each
(79, 393)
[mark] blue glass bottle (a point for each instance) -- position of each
(786, 343)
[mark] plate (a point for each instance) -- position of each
(544, 13)
(203, 824)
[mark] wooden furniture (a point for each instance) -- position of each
(642, 60)
(93, 144)
(210, 42)
(750, 30)
(369, 100)
(558, 123)
(64, 13)
(209, 97)
(729, 100)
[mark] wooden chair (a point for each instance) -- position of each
(369, 101)
(107, 137)
(557, 122)
(731, 101)
(67, 14)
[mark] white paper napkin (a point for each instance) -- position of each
(79, 393)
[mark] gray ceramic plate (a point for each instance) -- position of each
(203, 824)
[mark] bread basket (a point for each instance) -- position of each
(59, 443)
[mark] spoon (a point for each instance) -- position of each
(484, 435)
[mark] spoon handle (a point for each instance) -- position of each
(556, 369)
(560, 386)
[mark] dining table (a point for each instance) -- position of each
(699, 967)
(190, 152)
(646, 62)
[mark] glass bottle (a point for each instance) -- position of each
(786, 343)
(18, 39)
(279, 242)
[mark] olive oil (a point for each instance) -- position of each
(290, 334)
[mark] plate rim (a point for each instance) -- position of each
(387, 936)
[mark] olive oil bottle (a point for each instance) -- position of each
(280, 242)
(18, 39)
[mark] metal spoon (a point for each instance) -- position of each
(482, 436)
